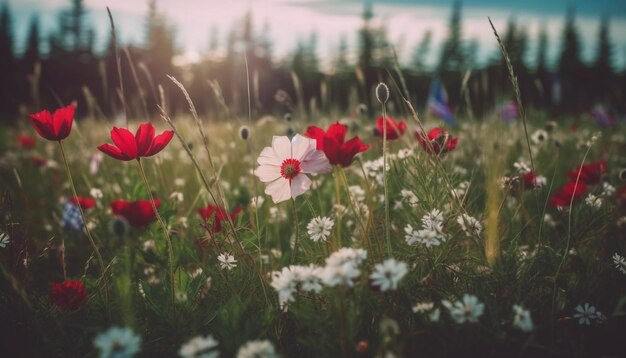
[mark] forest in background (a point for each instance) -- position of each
(71, 70)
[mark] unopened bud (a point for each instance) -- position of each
(244, 133)
(382, 93)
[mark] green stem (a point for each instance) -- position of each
(385, 185)
(337, 209)
(82, 214)
(295, 246)
(170, 250)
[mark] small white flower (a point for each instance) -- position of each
(521, 167)
(409, 197)
(461, 189)
(357, 194)
(293, 278)
(342, 267)
(117, 342)
(227, 261)
(177, 197)
(470, 225)
(426, 237)
(4, 240)
(585, 314)
(607, 189)
(256, 202)
(257, 349)
(200, 347)
(467, 310)
(522, 319)
(96, 193)
(319, 228)
(387, 275)
(593, 201)
(539, 136)
(179, 182)
(422, 307)
(404, 153)
(433, 220)
(620, 263)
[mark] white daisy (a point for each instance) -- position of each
(200, 347)
(585, 314)
(117, 342)
(257, 349)
(522, 319)
(319, 228)
(283, 166)
(227, 261)
(4, 240)
(620, 263)
(387, 275)
(467, 310)
(470, 225)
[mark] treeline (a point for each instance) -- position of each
(70, 70)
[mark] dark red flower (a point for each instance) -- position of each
(590, 173)
(529, 180)
(440, 141)
(394, 128)
(563, 197)
(142, 144)
(138, 213)
(56, 126)
(86, 202)
(26, 141)
(332, 142)
(220, 215)
(620, 195)
(69, 294)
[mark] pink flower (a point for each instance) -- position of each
(283, 166)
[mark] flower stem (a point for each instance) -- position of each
(80, 209)
(170, 250)
(385, 185)
(337, 210)
(295, 245)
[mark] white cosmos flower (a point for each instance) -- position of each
(467, 310)
(283, 166)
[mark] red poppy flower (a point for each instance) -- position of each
(394, 128)
(332, 142)
(590, 173)
(26, 141)
(86, 202)
(142, 144)
(69, 294)
(570, 190)
(220, 215)
(138, 213)
(440, 140)
(56, 126)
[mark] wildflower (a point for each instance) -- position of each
(585, 314)
(138, 213)
(387, 275)
(96, 193)
(71, 218)
(433, 220)
(409, 197)
(257, 349)
(54, 127)
(342, 267)
(532, 180)
(69, 294)
(469, 225)
(522, 319)
(521, 167)
(382, 93)
(607, 189)
(426, 237)
(283, 166)
(220, 215)
(293, 278)
(394, 128)
(571, 192)
(142, 144)
(26, 141)
(539, 136)
(227, 261)
(590, 173)
(436, 141)
(85, 202)
(467, 310)
(4, 240)
(593, 201)
(319, 228)
(179, 182)
(332, 142)
(177, 197)
(620, 263)
(422, 307)
(118, 342)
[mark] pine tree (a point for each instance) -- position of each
(452, 57)
(571, 67)
(603, 63)
(418, 62)
(159, 43)
(8, 102)
(32, 53)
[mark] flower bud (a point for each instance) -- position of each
(382, 93)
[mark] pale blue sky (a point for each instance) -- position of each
(291, 20)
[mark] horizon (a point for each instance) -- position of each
(291, 21)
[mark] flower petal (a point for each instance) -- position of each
(268, 157)
(315, 162)
(279, 190)
(143, 138)
(42, 121)
(160, 142)
(267, 173)
(317, 134)
(299, 185)
(114, 152)
(282, 147)
(301, 147)
(337, 131)
(125, 141)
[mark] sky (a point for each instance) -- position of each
(292, 20)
